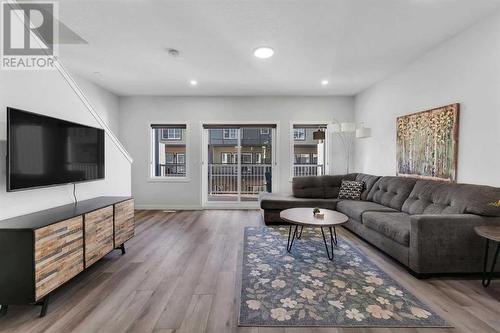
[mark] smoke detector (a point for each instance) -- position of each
(173, 52)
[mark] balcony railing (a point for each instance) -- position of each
(300, 170)
(172, 170)
(223, 178)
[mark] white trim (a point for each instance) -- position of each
(168, 207)
(169, 179)
(150, 144)
(231, 205)
(81, 95)
(192, 207)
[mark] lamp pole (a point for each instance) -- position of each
(347, 131)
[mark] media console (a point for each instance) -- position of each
(41, 251)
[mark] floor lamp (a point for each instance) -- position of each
(347, 132)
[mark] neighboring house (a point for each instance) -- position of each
(255, 146)
(307, 152)
(170, 147)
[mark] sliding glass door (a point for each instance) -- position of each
(239, 162)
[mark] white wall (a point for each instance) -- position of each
(104, 102)
(137, 112)
(46, 92)
(465, 69)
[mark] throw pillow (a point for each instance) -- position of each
(351, 190)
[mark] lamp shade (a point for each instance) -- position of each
(363, 132)
(348, 127)
(319, 135)
(334, 128)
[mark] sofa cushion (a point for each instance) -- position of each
(332, 184)
(282, 201)
(308, 187)
(395, 226)
(354, 209)
(391, 191)
(324, 187)
(369, 181)
(351, 190)
(438, 197)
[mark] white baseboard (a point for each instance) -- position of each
(168, 207)
(193, 207)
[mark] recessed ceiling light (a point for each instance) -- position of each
(324, 82)
(193, 82)
(263, 52)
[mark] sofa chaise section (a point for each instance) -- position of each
(273, 203)
(426, 225)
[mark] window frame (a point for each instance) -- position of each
(177, 158)
(302, 130)
(258, 158)
(233, 158)
(151, 141)
(229, 131)
(168, 131)
(246, 155)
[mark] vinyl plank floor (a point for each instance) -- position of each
(182, 273)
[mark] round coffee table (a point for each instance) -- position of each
(304, 217)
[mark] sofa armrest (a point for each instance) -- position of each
(447, 243)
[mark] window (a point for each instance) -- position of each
(302, 159)
(172, 134)
(169, 158)
(308, 155)
(246, 158)
(299, 134)
(264, 131)
(168, 151)
(230, 133)
(229, 158)
(258, 158)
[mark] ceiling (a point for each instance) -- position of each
(351, 43)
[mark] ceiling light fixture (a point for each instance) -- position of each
(263, 52)
(193, 82)
(324, 82)
(173, 52)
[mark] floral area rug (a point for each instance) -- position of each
(304, 288)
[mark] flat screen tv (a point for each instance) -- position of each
(44, 151)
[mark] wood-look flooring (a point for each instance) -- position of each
(182, 272)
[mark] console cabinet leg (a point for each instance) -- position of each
(45, 305)
(122, 248)
(3, 309)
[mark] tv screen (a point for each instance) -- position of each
(45, 151)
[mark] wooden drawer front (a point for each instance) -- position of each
(98, 234)
(58, 254)
(124, 221)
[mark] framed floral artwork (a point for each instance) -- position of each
(427, 143)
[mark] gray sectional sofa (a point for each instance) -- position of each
(425, 225)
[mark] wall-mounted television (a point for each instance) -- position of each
(44, 151)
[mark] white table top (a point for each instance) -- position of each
(305, 216)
